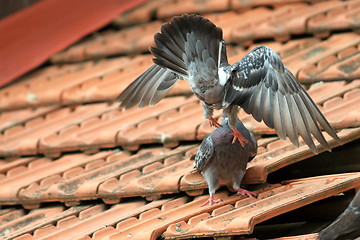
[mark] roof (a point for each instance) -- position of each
(74, 166)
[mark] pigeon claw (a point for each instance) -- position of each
(237, 136)
(213, 122)
(211, 201)
(243, 192)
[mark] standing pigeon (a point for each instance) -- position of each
(222, 163)
(347, 225)
(191, 47)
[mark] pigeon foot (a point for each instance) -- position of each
(213, 122)
(246, 192)
(237, 136)
(211, 201)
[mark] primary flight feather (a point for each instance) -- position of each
(191, 47)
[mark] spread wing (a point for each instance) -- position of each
(189, 43)
(204, 153)
(148, 88)
(266, 89)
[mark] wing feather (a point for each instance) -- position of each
(204, 153)
(148, 88)
(265, 88)
(278, 118)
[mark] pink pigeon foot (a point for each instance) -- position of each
(237, 136)
(211, 201)
(246, 192)
(213, 122)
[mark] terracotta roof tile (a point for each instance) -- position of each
(78, 128)
(242, 215)
(326, 59)
(35, 219)
(336, 110)
(329, 96)
(113, 127)
(177, 217)
(79, 83)
(107, 86)
(311, 59)
(24, 139)
(312, 236)
(74, 151)
(46, 90)
(289, 19)
(322, 92)
(77, 222)
(339, 18)
(16, 117)
(141, 14)
(244, 28)
(337, 67)
(29, 172)
(150, 173)
(190, 6)
(77, 177)
(126, 41)
(272, 156)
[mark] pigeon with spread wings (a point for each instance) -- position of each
(191, 47)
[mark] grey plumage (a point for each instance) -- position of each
(347, 225)
(223, 163)
(191, 47)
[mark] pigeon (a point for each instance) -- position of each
(191, 47)
(223, 163)
(347, 225)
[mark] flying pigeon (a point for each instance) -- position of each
(191, 47)
(223, 163)
(347, 225)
